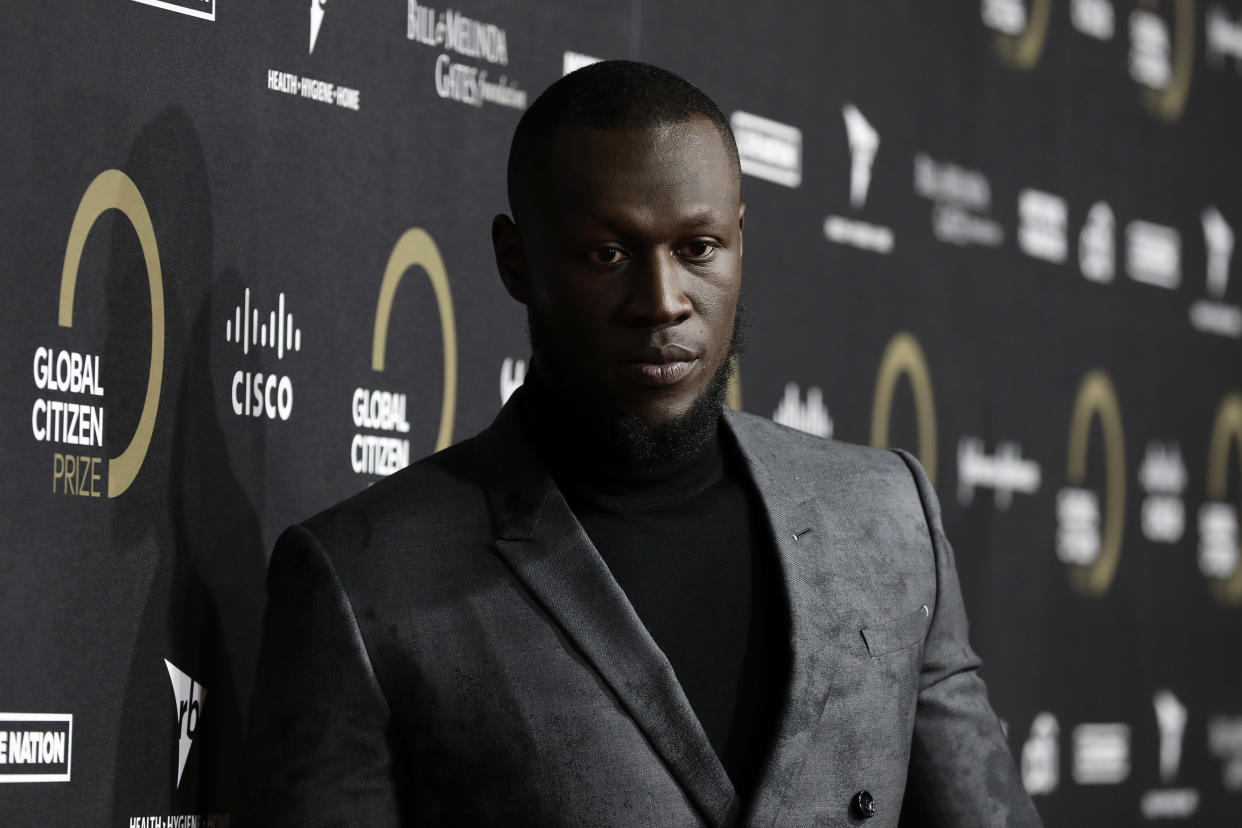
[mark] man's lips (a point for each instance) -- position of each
(662, 365)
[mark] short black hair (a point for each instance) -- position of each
(611, 94)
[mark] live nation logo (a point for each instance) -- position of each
(188, 698)
(35, 747)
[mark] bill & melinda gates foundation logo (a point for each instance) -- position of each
(69, 410)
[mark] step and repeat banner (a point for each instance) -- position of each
(247, 272)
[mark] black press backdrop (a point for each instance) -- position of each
(246, 272)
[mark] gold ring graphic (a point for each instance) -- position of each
(417, 248)
(1227, 429)
(1096, 397)
(1023, 51)
(114, 190)
(904, 356)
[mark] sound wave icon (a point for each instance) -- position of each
(277, 330)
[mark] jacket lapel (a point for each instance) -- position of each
(828, 595)
(546, 547)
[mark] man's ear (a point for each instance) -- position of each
(510, 258)
(741, 225)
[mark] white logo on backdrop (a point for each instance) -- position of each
(1169, 803)
(1153, 254)
(1101, 753)
(1163, 476)
(1078, 526)
(1224, 38)
(768, 149)
(512, 375)
(573, 61)
(864, 143)
(1005, 472)
(1150, 50)
(1094, 18)
(1213, 315)
(1041, 756)
(810, 416)
(316, 20)
(1218, 539)
(959, 195)
(253, 393)
(1042, 219)
(202, 9)
(1097, 255)
(1225, 742)
(1005, 16)
(188, 698)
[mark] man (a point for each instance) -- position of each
(620, 605)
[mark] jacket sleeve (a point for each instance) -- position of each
(961, 772)
(321, 748)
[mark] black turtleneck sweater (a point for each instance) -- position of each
(689, 544)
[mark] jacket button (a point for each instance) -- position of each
(863, 805)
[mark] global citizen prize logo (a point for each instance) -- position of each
(70, 411)
(35, 747)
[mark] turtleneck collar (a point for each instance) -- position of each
(575, 449)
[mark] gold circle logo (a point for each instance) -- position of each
(904, 356)
(114, 190)
(1022, 51)
(1096, 398)
(417, 248)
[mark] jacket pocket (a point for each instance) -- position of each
(897, 635)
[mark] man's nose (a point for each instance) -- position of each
(657, 295)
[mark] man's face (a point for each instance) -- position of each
(630, 264)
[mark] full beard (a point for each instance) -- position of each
(628, 441)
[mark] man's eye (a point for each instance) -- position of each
(607, 255)
(697, 250)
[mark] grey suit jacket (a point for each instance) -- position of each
(448, 647)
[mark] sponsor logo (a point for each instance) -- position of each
(864, 143)
(1225, 743)
(1041, 756)
(1088, 546)
(1094, 18)
(1224, 38)
(188, 702)
(309, 88)
(384, 411)
(1005, 472)
(768, 149)
(1213, 315)
(1020, 32)
(1169, 803)
(316, 21)
(69, 409)
(1162, 56)
(1101, 753)
(1153, 254)
(35, 747)
(202, 9)
(182, 821)
(455, 33)
(958, 196)
(253, 393)
(1041, 225)
(512, 375)
(810, 416)
(1097, 254)
(1218, 539)
(573, 61)
(1218, 519)
(1163, 476)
